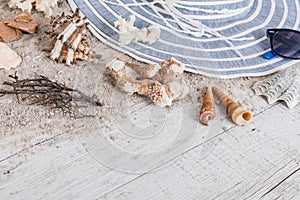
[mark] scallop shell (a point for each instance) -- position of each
(8, 58)
(284, 85)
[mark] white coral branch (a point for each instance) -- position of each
(129, 33)
(45, 6)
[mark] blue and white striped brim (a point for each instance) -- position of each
(220, 38)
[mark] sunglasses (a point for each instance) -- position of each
(284, 43)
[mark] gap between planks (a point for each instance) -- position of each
(52, 138)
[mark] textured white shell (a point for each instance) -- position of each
(284, 85)
(8, 58)
(162, 83)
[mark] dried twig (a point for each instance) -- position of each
(43, 91)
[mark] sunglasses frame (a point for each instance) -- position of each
(271, 32)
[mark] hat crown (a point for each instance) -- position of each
(222, 38)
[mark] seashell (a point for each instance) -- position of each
(68, 34)
(283, 85)
(168, 72)
(24, 22)
(9, 58)
(7, 33)
(207, 111)
(10, 30)
(157, 92)
(162, 84)
(237, 113)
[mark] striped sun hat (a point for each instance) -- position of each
(220, 38)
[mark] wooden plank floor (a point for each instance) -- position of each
(131, 149)
(259, 160)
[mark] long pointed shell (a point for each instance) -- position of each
(237, 113)
(8, 58)
(207, 111)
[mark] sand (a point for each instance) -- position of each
(24, 126)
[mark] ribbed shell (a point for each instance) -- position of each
(284, 85)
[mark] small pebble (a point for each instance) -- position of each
(23, 122)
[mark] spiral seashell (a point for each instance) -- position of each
(207, 111)
(237, 113)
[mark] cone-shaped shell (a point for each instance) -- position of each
(237, 113)
(207, 111)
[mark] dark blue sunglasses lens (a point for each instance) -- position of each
(287, 43)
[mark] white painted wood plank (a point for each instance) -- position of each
(68, 170)
(43, 159)
(288, 188)
(245, 164)
(61, 171)
(32, 163)
(25, 126)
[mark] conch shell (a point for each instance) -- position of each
(68, 43)
(162, 83)
(207, 111)
(237, 113)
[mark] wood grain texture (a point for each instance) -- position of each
(43, 157)
(245, 163)
(288, 188)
